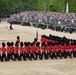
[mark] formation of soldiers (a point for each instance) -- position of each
(49, 47)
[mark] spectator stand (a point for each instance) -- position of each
(43, 20)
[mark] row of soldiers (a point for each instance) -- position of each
(46, 48)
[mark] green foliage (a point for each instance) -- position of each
(17, 5)
(56, 5)
(39, 5)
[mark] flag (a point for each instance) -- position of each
(37, 34)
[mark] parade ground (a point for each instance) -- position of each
(34, 67)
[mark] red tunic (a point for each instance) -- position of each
(52, 41)
(48, 41)
(70, 48)
(43, 40)
(21, 50)
(12, 49)
(62, 49)
(11, 25)
(53, 49)
(3, 50)
(56, 48)
(15, 50)
(66, 48)
(18, 41)
(37, 49)
(10, 21)
(59, 48)
(48, 48)
(43, 49)
(26, 50)
(31, 49)
(9, 50)
(74, 48)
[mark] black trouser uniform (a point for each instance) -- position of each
(46, 55)
(16, 56)
(70, 54)
(74, 53)
(3, 57)
(42, 55)
(9, 56)
(33, 56)
(22, 56)
(37, 55)
(54, 55)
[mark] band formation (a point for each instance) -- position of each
(49, 47)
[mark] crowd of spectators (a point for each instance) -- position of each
(46, 18)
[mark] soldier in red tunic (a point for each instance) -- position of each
(11, 24)
(26, 49)
(70, 50)
(3, 52)
(43, 50)
(66, 48)
(48, 48)
(10, 21)
(74, 50)
(35, 41)
(32, 50)
(12, 50)
(37, 51)
(62, 51)
(56, 50)
(11, 27)
(53, 51)
(9, 52)
(21, 52)
(42, 39)
(16, 54)
(29, 50)
(18, 39)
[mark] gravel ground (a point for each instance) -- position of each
(34, 67)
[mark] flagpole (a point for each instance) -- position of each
(67, 8)
(37, 34)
